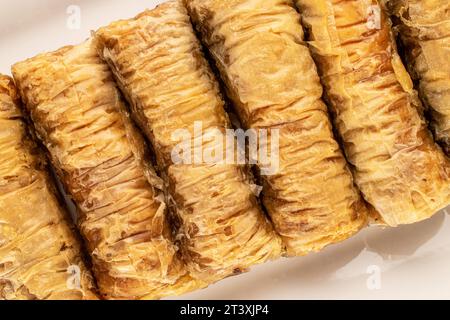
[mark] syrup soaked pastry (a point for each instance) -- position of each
(424, 29)
(397, 165)
(102, 160)
(40, 256)
(159, 64)
(272, 80)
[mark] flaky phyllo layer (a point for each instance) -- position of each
(103, 162)
(271, 79)
(40, 255)
(424, 29)
(397, 165)
(158, 63)
(184, 214)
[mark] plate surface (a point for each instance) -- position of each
(410, 262)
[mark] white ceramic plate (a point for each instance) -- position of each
(411, 262)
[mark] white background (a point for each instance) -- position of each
(408, 262)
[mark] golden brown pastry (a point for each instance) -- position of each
(159, 64)
(40, 255)
(398, 167)
(424, 29)
(271, 78)
(102, 160)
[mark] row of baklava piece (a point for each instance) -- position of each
(152, 235)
